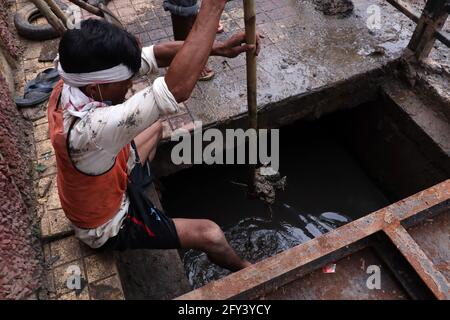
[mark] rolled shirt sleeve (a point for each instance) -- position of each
(149, 64)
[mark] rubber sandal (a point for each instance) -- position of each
(34, 97)
(47, 76)
(208, 76)
(220, 28)
(38, 89)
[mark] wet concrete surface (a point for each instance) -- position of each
(304, 50)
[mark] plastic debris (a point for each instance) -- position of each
(329, 268)
(363, 264)
(372, 51)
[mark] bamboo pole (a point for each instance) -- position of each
(45, 10)
(59, 13)
(250, 31)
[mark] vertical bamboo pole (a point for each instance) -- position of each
(250, 31)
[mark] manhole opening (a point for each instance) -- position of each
(342, 166)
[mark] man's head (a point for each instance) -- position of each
(96, 46)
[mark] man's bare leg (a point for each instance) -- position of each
(206, 236)
(199, 234)
(181, 27)
(147, 141)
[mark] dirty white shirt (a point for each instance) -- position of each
(96, 139)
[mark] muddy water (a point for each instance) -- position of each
(326, 188)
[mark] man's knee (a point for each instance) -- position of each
(156, 131)
(211, 234)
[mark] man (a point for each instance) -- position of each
(103, 144)
(183, 14)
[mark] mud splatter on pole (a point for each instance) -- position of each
(250, 31)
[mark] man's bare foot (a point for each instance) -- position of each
(207, 74)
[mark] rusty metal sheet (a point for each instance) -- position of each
(348, 282)
(419, 261)
(433, 237)
(273, 268)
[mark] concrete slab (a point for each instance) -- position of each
(418, 110)
(304, 51)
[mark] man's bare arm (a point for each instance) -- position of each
(165, 52)
(231, 48)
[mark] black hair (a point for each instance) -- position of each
(98, 45)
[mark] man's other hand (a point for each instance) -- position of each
(236, 45)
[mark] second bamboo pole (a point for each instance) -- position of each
(250, 38)
(52, 19)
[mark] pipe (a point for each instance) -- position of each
(45, 10)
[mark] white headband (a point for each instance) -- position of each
(114, 74)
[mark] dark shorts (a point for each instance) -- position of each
(145, 227)
(183, 8)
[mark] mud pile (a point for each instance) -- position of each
(334, 7)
